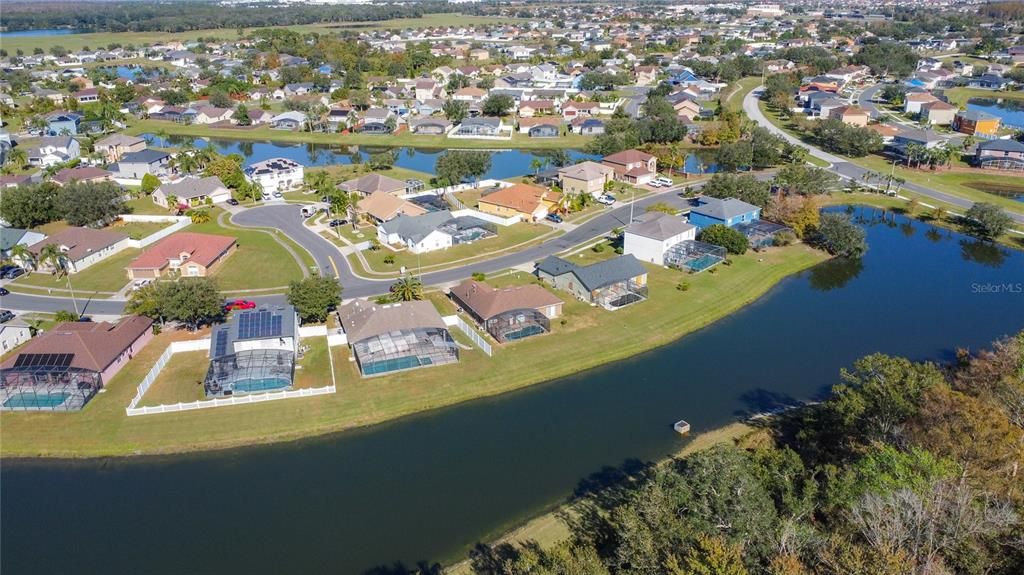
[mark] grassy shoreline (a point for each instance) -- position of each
(102, 429)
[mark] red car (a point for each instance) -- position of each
(239, 304)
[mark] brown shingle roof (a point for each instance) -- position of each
(523, 198)
(488, 302)
(95, 345)
(80, 242)
(204, 249)
(361, 319)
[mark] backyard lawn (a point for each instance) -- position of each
(959, 96)
(145, 206)
(314, 369)
(137, 230)
(106, 276)
(181, 380)
(103, 429)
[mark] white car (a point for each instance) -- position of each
(662, 181)
(139, 284)
(606, 200)
(278, 195)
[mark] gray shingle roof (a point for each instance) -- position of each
(416, 228)
(722, 209)
(658, 226)
(598, 275)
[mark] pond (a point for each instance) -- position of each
(1010, 112)
(504, 163)
(429, 486)
(40, 32)
(133, 73)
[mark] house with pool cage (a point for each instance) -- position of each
(650, 235)
(611, 284)
(253, 352)
(386, 338)
(65, 367)
(508, 314)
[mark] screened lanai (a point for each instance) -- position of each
(761, 234)
(250, 371)
(47, 382)
(693, 255)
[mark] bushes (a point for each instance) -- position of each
(839, 236)
(720, 235)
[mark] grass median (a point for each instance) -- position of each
(103, 429)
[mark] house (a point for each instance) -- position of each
(382, 207)
(728, 212)
(293, 120)
(81, 247)
(849, 73)
(587, 126)
(211, 115)
(63, 368)
(646, 75)
(530, 203)
(632, 166)
(114, 146)
(87, 96)
(186, 253)
(913, 102)
(276, 174)
(13, 333)
(434, 231)
(887, 132)
(430, 126)
(906, 136)
(192, 191)
(651, 234)
(575, 109)
(469, 94)
(253, 352)
(396, 337)
(544, 127)
(13, 181)
(938, 113)
(53, 150)
(476, 127)
(63, 123)
(1000, 155)
(974, 122)
(531, 108)
(10, 237)
(478, 54)
(135, 165)
(508, 314)
(989, 82)
(852, 115)
(585, 178)
(90, 174)
(372, 183)
(611, 284)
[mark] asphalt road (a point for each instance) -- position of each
(844, 168)
(329, 259)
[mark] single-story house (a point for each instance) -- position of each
(1000, 155)
(511, 313)
(651, 234)
(612, 284)
(434, 231)
(430, 126)
(82, 247)
(587, 126)
(293, 120)
(188, 253)
(63, 368)
(543, 127)
(383, 207)
(90, 174)
(708, 211)
(482, 126)
(192, 191)
(372, 183)
(13, 333)
(531, 203)
(396, 337)
(10, 237)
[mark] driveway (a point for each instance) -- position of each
(843, 167)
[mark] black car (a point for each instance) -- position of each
(5, 316)
(232, 202)
(6, 268)
(336, 223)
(4, 291)
(11, 274)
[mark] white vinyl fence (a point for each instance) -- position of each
(179, 223)
(133, 408)
(471, 332)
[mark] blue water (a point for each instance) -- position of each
(36, 401)
(1011, 112)
(133, 73)
(41, 32)
(504, 163)
(265, 384)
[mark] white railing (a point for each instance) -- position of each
(179, 223)
(233, 400)
(472, 333)
(488, 217)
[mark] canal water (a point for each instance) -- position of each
(428, 487)
(504, 163)
(1010, 112)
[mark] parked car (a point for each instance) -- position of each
(554, 218)
(11, 274)
(663, 181)
(239, 304)
(266, 197)
(6, 268)
(232, 202)
(6, 316)
(4, 291)
(336, 223)
(606, 199)
(278, 195)
(139, 284)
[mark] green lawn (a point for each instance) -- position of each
(507, 237)
(260, 262)
(959, 96)
(402, 139)
(137, 230)
(343, 172)
(739, 90)
(314, 369)
(103, 429)
(181, 380)
(145, 206)
(106, 276)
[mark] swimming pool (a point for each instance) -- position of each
(262, 384)
(32, 400)
(524, 332)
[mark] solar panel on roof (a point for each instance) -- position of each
(221, 347)
(52, 360)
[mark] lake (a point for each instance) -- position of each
(504, 163)
(428, 487)
(1010, 112)
(40, 32)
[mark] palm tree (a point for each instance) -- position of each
(408, 288)
(23, 255)
(198, 216)
(172, 202)
(52, 255)
(18, 157)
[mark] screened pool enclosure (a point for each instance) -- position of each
(761, 234)
(405, 349)
(693, 255)
(47, 382)
(517, 324)
(250, 371)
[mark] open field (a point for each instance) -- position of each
(959, 96)
(103, 429)
(98, 39)
(105, 276)
(402, 139)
